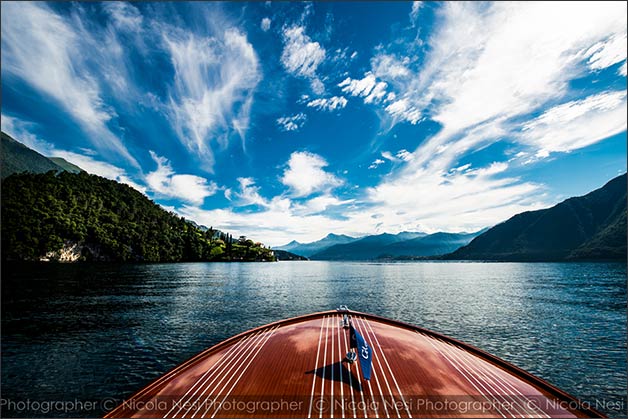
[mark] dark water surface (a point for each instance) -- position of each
(91, 335)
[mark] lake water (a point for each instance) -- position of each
(91, 335)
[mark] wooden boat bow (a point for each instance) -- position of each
(297, 368)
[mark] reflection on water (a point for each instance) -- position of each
(94, 332)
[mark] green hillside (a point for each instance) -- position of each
(15, 157)
(429, 245)
(589, 227)
(77, 216)
(65, 165)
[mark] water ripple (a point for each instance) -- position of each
(89, 332)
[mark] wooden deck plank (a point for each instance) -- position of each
(299, 362)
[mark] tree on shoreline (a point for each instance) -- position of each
(44, 215)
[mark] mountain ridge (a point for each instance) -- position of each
(308, 249)
(386, 245)
(587, 227)
(18, 158)
(55, 213)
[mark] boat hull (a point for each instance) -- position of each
(297, 368)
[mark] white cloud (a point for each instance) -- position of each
(401, 155)
(249, 193)
(414, 13)
(215, 78)
(318, 204)
(404, 155)
(188, 188)
(377, 93)
(606, 53)
(462, 168)
(328, 104)
(426, 202)
(359, 87)
(278, 218)
(53, 56)
(376, 163)
(265, 24)
(21, 131)
(455, 201)
(91, 165)
(124, 15)
(489, 53)
(273, 226)
(388, 67)
(368, 87)
(495, 58)
(301, 56)
(402, 109)
(292, 123)
(486, 71)
(577, 124)
(305, 174)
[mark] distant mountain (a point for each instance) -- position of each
(589, 227)
(366, 248)
(15, 157)
(65, 165)
(283, 255)
(308, 249)
(429, 245)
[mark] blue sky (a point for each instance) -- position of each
(285, 121)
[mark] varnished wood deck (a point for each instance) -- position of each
(295, 368)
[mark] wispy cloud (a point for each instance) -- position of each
(451, 201)
(52, 55)
(125, 15)
(389, 67)
(403, 110)
(414, 13)
(606, 53)
(265, 24)
(368, 87)
(376, 163)
(273, 225)
(215, 78)
(577, 124)
(318, 205)
(489, 54)
(248, 193)
(22, 132)
(305, 174)
(301, 56)
(188, 188)
(291, 123)
(404, 155)
(401, 155)
(540, 78)
(328, 104)
(511, 71)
